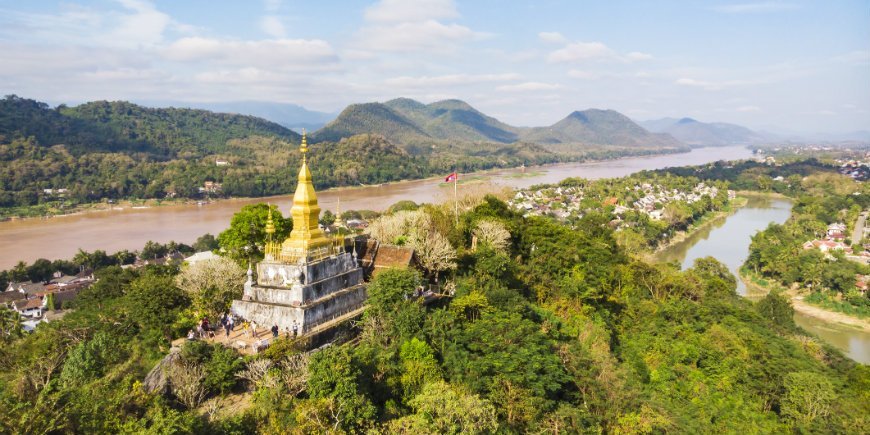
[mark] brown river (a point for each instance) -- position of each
(129, 228)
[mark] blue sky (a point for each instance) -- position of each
(801, 66)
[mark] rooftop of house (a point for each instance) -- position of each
(391, 256)
(28, 304)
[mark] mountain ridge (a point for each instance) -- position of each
(410, 122)
(698, 133)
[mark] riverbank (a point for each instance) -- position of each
(52, 211)
(759, 289)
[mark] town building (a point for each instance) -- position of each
(309, 278)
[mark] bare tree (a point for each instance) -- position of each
(255, 371)
(186, 381)
(294, 373)
(212, 284)
(434, 252)
(390, 228)
(492, 233)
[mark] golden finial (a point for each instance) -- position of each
(303, 148)
(270, 225)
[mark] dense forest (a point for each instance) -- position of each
(53, 159)
(551, 328)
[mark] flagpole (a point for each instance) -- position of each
(456, 197)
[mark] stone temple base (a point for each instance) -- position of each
(302, 296)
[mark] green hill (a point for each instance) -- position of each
(455, 120)
(374, 118)
(125, 127)
(598, 127)
(411, 124)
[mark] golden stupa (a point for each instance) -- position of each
(307, 241)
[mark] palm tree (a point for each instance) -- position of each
(10, 324)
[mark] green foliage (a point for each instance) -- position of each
(243, 240)
(419, 366)
(89, 359)
(153, 302)
(391, 287)
(404, 205)
(327, 218)
(41, 270)
(777, 309)
(333, 375)
(808, 398)
(10, 325)
(502, 346)
(206, 242)
(442, 408)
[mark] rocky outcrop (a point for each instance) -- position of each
(157, 381)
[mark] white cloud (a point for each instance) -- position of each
(586, 75)
(716, 86)
(429, 35)
(579, 51)
(288, 54)
(759, 7)
(413, 26)
(529, 87)
(273, 26)
(136, 24)
(593, 51)
(636, 56)
(449, 80)
(552, 37)
(144, 26)
(403, 11)
(748, 109)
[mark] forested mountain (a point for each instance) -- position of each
(454, 120)
(125, 127)
(374, 118)
(698, 133)
(409, 122)
(598, 127)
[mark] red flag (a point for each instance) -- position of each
(451, 177)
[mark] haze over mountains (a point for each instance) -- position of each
(697, 133)
(292, 116)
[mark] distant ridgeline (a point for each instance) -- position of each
(119, 150)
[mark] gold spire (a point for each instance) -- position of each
(270, 225)
(306, 240)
